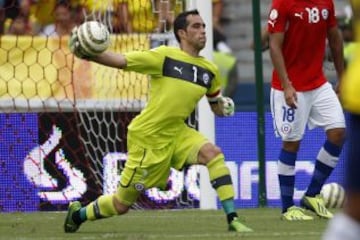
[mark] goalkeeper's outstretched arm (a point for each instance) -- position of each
(110, 59)
(107, 58)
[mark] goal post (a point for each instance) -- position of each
(205, 116)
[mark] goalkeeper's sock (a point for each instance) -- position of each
(231, 216)
(79, 216)
(220, 178)
(326, 161)
(228, 205)
(221, 181)
(102, 207)
(229, 209)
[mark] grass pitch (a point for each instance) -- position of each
(162, 225)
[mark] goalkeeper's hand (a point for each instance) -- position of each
(226, 106)
(75, 47)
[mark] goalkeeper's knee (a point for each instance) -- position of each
(208, 152)
(120, 207)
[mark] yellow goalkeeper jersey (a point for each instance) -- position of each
(178, 81)
(350, 86)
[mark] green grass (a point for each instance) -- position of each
(160, 224)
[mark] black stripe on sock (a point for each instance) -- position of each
(221, 181)
(97, 210)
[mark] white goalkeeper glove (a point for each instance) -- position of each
(226, 106)
(75, 47)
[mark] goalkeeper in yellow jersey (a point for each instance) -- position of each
(346, 224)
(158, 137)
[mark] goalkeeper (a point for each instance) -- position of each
(158, 138)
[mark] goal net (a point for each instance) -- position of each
(63, 120)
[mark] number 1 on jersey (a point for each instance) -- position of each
(194, 68)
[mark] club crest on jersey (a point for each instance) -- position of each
(286, 128)
(325, 14)
(206, 78)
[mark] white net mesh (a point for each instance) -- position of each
(86, 107)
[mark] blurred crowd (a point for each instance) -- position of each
(345, 23)
(58, 17)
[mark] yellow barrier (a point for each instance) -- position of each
(40, 68)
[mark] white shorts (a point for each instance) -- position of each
(317, 108)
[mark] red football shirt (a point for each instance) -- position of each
(305, 24)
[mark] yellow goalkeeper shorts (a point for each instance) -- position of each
(147, 168)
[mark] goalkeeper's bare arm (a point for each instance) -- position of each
(110, 59)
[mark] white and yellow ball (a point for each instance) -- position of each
(94, 37)
(333, 195)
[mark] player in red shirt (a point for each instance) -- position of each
(301, 95)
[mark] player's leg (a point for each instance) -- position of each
(289, 124)
(193, 148)
(346, 224)
(352, 186)
(103, 207)
(327, 112)
(324, 165)
(115, 204)
(211, 156)
(350, 89)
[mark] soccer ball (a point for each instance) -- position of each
(333, 195)
(94, 37)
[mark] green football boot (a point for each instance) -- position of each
(70, 226)
(295, 214)
(316, 204)
(237, 226)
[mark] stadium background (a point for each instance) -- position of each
(235, 136)
(68, 170)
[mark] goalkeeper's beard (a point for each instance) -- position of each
(201, 45)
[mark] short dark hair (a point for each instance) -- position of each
(180, 21)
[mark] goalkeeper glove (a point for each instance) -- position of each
(226, 106)
(75, 47)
